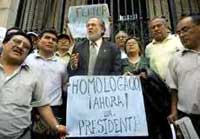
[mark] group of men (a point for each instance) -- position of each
(39, 79)
(21, 89)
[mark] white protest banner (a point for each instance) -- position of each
(2, 33)
(79, 15)
(105, 106)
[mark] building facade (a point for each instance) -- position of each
(129, 15)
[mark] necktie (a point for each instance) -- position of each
(92, 58)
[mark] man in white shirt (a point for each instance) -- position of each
(53, 72)
(21, 89)
(120, 39)
(162, 47)
(183, 75)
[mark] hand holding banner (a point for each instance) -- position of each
(105, 106)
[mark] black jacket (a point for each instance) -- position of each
(157, 104)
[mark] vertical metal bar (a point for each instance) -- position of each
(198, 4)
(21, 13)
(161, 7)
(118, 13)
(140, 22)
(132, 7)
(148, 19)
(92, 1)
(125, 6)
(36, 16)
(126, 14)
(28, 16)
(148, 9)
(54, 3)
(190, 6)
(154, 8)
(33, 15)
(133, 14)
(182, 10)
(62, 15)
(42, 23)
(111, 27)
(118, 7)
(98, 1)
(172, 13)
(104, 1)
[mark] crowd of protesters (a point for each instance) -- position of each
(35, 69)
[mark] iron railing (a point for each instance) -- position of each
(132, 16)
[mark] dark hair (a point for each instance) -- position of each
(51, 31)
(196, 19)
(11, 35)
(139, 44)
(9, 30)
(64, 36)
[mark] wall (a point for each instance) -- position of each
(8, 12)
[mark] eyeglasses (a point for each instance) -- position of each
(18, 42)
(185, 29)
(64, 41)
(121, 37)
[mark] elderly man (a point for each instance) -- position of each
(21, 89)
(120, 39)
(95, 56)
(163, 46)
(184, 73)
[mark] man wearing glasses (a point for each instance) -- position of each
(162, 47)
(20, 90)
(183, 76)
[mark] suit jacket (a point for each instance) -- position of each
(108, 61)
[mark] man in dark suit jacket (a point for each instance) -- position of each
(107, 61)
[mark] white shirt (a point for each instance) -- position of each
(123, 54)
(53, 73)
(184, 76)
(159, 53)
(98, 44)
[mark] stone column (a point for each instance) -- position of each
(8, 12)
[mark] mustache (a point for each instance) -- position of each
(18, 50)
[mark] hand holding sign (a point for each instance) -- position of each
(105, 106)
(83, 13)
(74, 61)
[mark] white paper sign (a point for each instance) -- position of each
(2, 33)
(105, 106)
(187, 128)
(79, 15)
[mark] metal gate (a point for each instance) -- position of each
(127, 15)
(132, 16)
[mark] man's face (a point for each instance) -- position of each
(64, 44)
(16, 49)
(47, 43)
(94, 29)
(120, 39)
(158, 29)
(189, 33)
